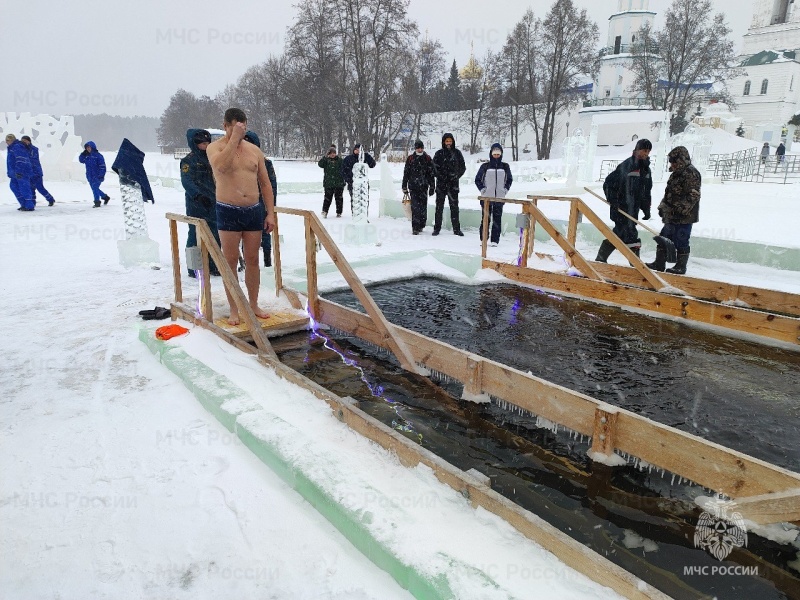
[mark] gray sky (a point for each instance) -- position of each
(128, 58)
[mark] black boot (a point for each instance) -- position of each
(680, 266)
(661, 260)
(606, 248)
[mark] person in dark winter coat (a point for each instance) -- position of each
(449, 164)
(780, 152)
(332, 181)
(37, 181)
(95, 171)
(679, 209)
(347, 169)
(266, 238)
(628, 188)
(494, 180)
(19, 171)
(201, 191)
(419, 183)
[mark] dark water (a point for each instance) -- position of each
(737, 393)
(547, 474)
(740, 394)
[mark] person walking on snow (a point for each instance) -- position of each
(764, 152)
(419, 183)
(628, 188)
(679, 209)
(449, 165)
(332, 181)
(19, 171)
(37, 181)
(494, 180)
(779, 152)
(95, 171)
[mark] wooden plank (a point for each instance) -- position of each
(484, 225)
(770, 508)
(520, 201)
(776, 327)
(689, 456)
(655, 281)
(706, 289)
(572, 228)
(293, 296)
(605, 430)
(206, 305)
(576, 257)
(532, 235)
(275, 322)
(276, 253)
(176, 260)
(386, 329)
(569, 551)
(711, 465)
(311, 269)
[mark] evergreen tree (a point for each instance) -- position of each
(452, 91)
(740, 130)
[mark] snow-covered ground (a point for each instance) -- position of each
(116, 483)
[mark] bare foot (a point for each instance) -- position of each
(261, 314)
(234, 318)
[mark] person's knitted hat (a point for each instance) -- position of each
(26, 137)
(418, 144)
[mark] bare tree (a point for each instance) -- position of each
(515, 92)
(675, 66)
(422, 80)
(568, 55)
(186, 111)
(479, 81)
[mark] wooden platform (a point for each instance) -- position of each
(276, 324)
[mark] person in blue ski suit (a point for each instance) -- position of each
(266, 238)
(494, 180)
(201, 191)
(19, 171)
(95, 171)
(37, 181)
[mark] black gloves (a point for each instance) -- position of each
(645, 214)
(158, 313)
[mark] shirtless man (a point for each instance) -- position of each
(239, 171)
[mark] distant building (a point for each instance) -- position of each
(768, 95)
(611, 97)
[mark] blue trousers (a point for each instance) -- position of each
(98, 193)
(21, 188)
(679, 234)
(38, 186)
(495, 221)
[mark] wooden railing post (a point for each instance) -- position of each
(605, 429)
(276, 261)
(205, 301)
(311, 269)
(572, 229)
(176, 260)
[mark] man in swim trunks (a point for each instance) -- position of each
(239, 171)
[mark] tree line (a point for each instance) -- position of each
(358, 71)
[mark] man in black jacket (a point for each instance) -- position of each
(418, 182)
(449, 165)
(628, 188)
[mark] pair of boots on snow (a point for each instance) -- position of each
(659, 264)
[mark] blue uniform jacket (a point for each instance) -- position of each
(18, 161)
(95, 163)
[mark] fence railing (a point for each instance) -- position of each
(755, 168)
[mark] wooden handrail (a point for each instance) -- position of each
(314, 227)
(229, 279)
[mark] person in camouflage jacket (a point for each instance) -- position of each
(679, 209)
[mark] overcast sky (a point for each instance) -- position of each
(129, 57)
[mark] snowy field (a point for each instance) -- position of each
(118, 484)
